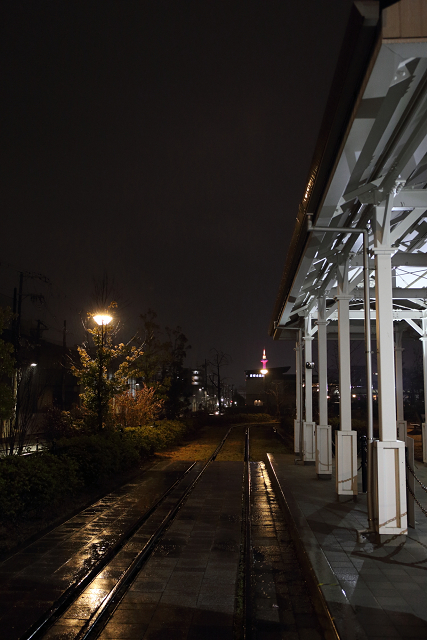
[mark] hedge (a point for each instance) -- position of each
(149, 439)
(33, 482)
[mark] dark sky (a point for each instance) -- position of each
(167, 143)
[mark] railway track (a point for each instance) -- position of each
(162, 510)
(100, 598)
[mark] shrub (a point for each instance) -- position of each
(135, 410)
(254, 417)
(98, 456)
(32, 482)
(59, 424)
(148, 439)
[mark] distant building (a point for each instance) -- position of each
(261, 384)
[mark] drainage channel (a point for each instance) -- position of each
(281, 602)
(276, 599)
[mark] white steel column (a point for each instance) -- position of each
(298, 393)
(424, 343)
(345, 438)
(309, 446)
(398, 351)
(323, 430)
(389, 453)
(343, 299)
(385, 346)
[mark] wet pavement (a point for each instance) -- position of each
(371, 590)
(187, 588)
(282, 607)
(191, 586)
(35, 577)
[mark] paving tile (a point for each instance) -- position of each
(122, 632)
(386, 580)
(381, 631)
(191, 573)
(179, 598)
(139, 614)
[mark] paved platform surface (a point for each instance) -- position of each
(32, 579)
(187, 588)
(372, 590)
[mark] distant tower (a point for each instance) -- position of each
(264, 361)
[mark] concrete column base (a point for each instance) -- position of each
(424, 441)
(324, 451)
(346, 462)
(389, 495)
(402, 429)
(309, 435)
(297, 427)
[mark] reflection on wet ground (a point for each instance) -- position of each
(187, 587)
(190, 587)
(282, 606)
(31, 580)
(373, 589)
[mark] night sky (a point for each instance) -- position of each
(167, 144)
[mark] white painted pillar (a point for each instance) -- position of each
(298, 393)
(389, 493)
(343, 299)
(323, 430)
(423, 426)
(345, 438)
(308, 356)
(385, 344)
(398, 359)
(309, 445)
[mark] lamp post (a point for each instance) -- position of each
(101, 320)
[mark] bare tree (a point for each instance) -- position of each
(218, 360)
(276, 390)
(29, 389)
(105, 292)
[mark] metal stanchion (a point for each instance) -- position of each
(364, 457)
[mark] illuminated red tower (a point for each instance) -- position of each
(264, 361)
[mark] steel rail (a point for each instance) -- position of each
(77, 587)
(99, 618)
(248, 617)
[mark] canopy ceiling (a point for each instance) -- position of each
(373, 141)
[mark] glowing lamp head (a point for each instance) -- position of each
(102, 319)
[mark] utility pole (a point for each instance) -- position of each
(64, 354)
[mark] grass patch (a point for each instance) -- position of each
(263, 440)
(234, 447)
(200, 448)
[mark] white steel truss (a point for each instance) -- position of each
(369, 172)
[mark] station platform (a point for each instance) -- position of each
(370, 590)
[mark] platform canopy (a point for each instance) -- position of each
(369, 173)
(372, 149)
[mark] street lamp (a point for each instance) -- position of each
(101, 320)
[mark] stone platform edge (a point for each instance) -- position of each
(336, 615)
